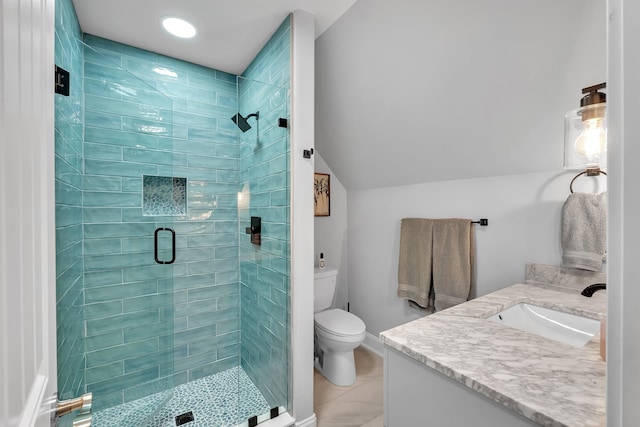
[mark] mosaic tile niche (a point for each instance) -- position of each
(164, 195)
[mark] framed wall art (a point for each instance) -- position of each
(321, 194)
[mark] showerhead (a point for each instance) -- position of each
(241, 121)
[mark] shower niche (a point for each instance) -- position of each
(164, 196)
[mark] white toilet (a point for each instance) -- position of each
(337, 332)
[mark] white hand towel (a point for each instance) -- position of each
(584, 231)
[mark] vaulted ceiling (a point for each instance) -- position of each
(419, 91)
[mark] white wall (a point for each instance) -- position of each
(331, 233)
(524, 213)
(468, 107)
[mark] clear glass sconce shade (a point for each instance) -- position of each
(585, 138)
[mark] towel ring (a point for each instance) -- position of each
(590, 172)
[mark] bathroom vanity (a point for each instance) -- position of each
(458, 368)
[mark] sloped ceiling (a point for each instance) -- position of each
(230, 32)
(416, 91)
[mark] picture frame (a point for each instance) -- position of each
(321, 194)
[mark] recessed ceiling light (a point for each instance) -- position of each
(178, 27)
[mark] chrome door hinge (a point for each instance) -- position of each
(81, 404)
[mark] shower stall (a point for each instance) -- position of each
(172, 234)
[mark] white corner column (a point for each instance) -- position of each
(623, 275)
(302, 138)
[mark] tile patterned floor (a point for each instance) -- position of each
(359, 405)
(223, 400)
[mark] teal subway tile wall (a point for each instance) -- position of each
(69, 118)
(264, 178)
(138, 121)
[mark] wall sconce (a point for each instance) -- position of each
(585, 134)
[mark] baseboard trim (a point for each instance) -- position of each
(309, 422)
(374, 344)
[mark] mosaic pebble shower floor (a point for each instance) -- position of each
(226, 399)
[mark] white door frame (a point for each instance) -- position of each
(27, 212)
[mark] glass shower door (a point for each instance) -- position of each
(116, 203)
(131, 200)
(264, 261)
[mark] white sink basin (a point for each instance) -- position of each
(556, 325)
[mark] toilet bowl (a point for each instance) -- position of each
(337, 333)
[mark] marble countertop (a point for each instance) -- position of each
(549, 382)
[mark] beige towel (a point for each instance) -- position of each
(453, 261)
(414, 264)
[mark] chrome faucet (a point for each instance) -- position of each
(589, 290)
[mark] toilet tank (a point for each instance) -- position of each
(324, 286)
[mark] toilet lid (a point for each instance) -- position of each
(339, 322)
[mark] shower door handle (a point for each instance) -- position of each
(173, 245)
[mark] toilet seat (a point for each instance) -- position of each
(339, 323)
